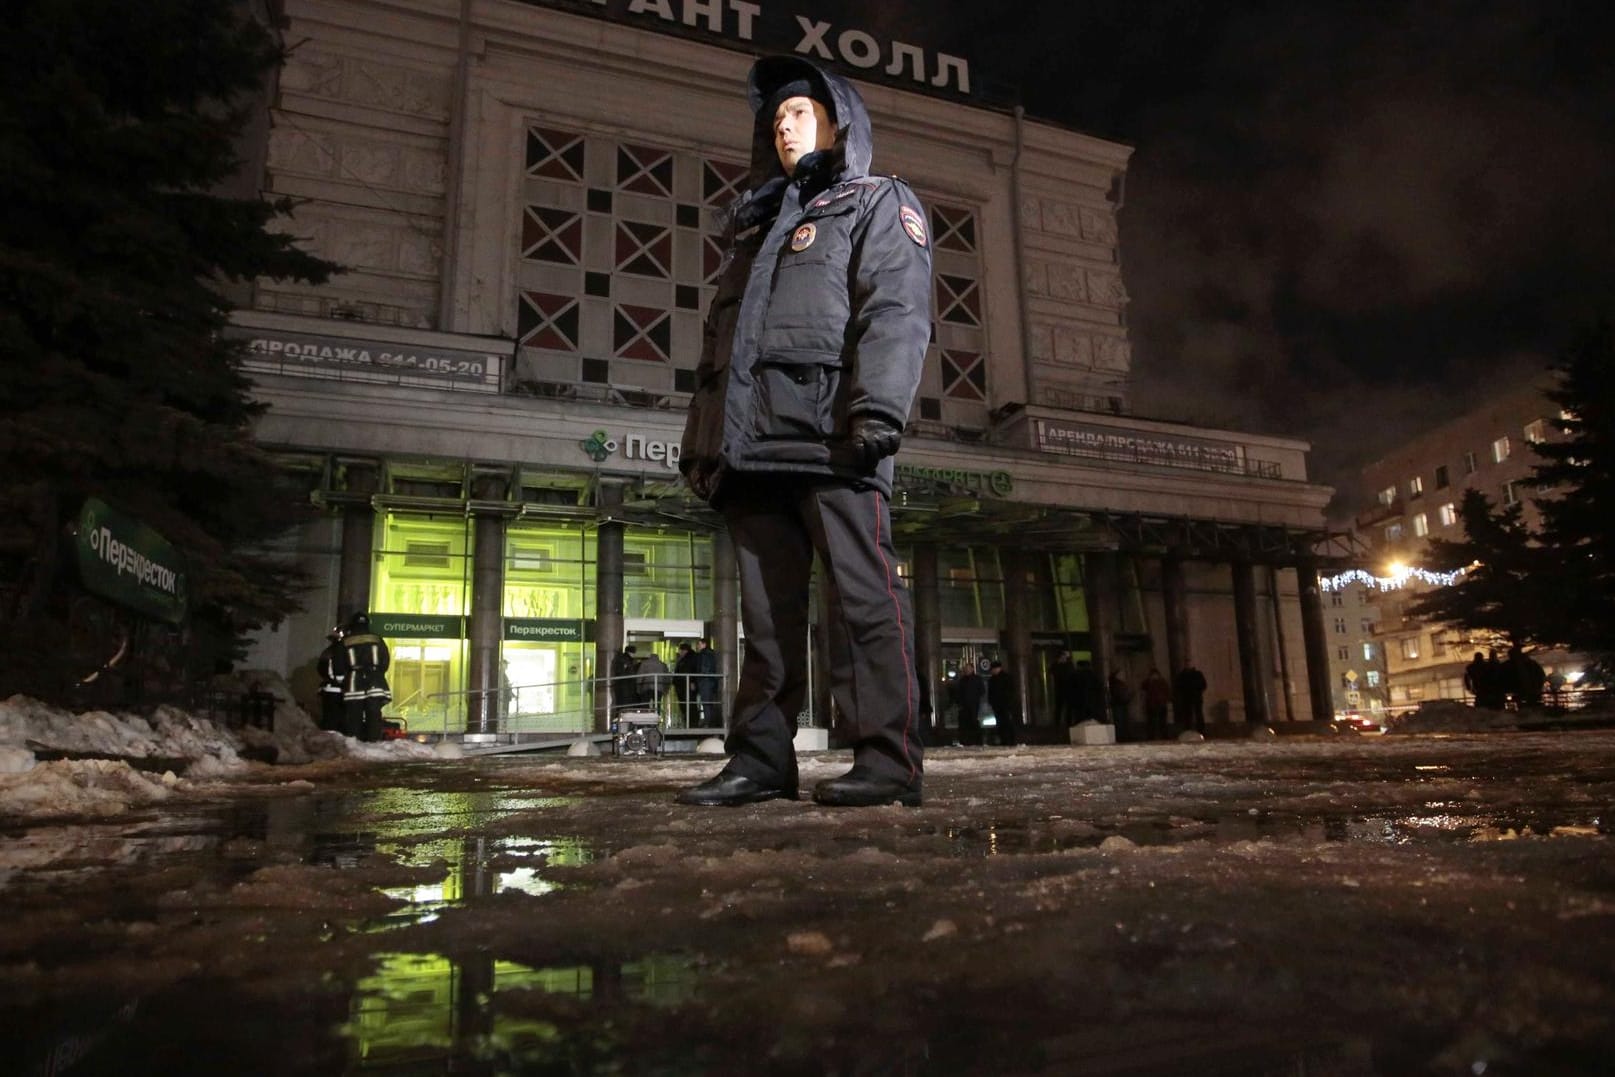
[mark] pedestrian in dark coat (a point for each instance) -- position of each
(1005, 702)
(1088, 700)
(815, 342)
(363, 666)
(684, 671)
(625, 680)
(1157, 698)
(654, 681)
(1063, 678)
(968, 690)
(1188, 698)
(708, 682)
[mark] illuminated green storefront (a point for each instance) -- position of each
(421, 601)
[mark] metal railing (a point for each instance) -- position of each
(550, 707)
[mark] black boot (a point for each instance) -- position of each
(861, 787)
(729, 789)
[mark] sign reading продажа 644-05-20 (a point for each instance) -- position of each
(126, 561)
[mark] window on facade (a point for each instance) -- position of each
(1416, 486)
(1373, 678)
(1421, 525)
(1368, 652)
(1410, 647)
(1469, 463)
(1441, 477)
(1387, 495)
(1343, 653)
(1393, 532)
(619, 248)
(1366, 625)
(1500, 449)
(1448, 514)
(1336, 598)
(1511, 494)
(1340, 625)
(1536, 431)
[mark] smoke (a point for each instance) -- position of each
(1362, 224)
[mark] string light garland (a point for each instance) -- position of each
(1399, 578)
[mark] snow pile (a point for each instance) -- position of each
(57, 763)
(1454, 716)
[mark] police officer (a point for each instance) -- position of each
(363, 668)
(815, 342)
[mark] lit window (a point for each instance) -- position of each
(1416, 486)
(1536, 432)
(1410, 647)
(1368, 652)
(1500, 449)
(1441, 477)
(1448, 514)
(1469, 463)
(1511, 496)
(1393, 532)
(1373, 678)
(1421, 525)
(1387, 495)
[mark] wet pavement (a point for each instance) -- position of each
(1345, 905)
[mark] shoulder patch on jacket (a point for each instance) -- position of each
(913, 224)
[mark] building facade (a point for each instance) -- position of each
(488, 402)
(1413, 495)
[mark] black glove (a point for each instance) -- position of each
(874, 439)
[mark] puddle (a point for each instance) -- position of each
(1058, 835)
(477, 867)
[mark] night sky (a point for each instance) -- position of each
(1340, 224)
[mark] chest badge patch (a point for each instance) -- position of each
(803, 237)
(912, 224)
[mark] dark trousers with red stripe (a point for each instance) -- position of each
(778, 523)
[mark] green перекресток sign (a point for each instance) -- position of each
(122, 559)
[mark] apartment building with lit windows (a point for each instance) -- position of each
(1413, 495)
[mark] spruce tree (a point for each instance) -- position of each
(1502, 587)
(118, 124)
(1577, 475)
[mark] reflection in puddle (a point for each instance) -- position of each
(419, 1008)
(476, 868)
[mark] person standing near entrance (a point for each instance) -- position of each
(968, 690)
(815, 343)
(654, 680)
(1188, 698)
(363, 666)
(1157, 698)
(708, 682)
(684, 685)
(1063, 680)
(625, 680)
(1005, 702)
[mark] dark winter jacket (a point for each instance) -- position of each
(822, 310)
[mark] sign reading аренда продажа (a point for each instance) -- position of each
(122, 559)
